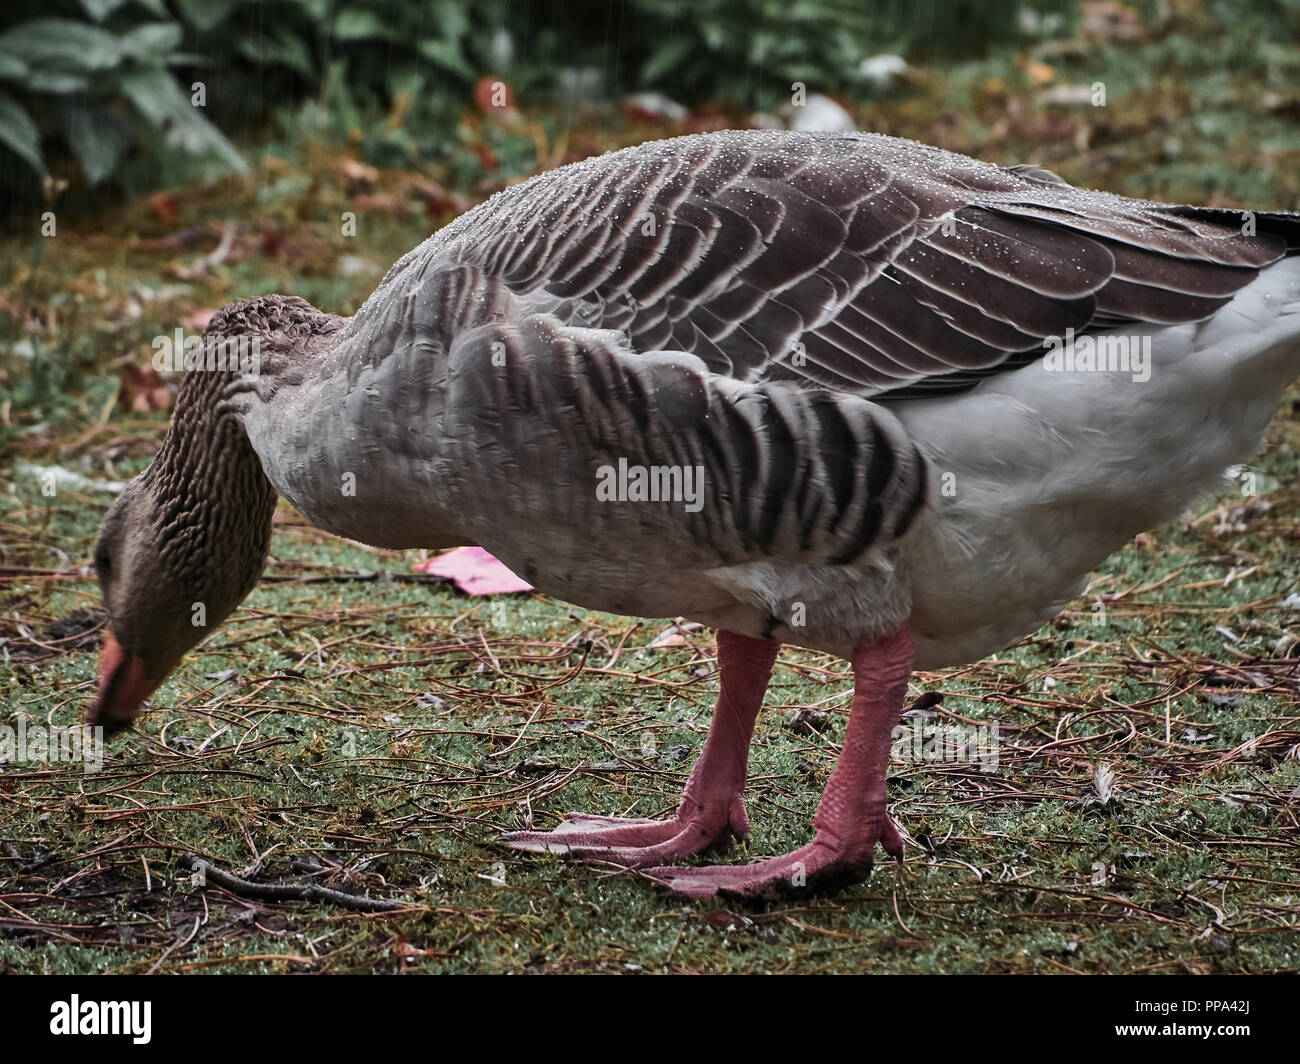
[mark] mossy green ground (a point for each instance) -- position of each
(391, 730)
(385, 732)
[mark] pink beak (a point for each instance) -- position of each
(123, 686)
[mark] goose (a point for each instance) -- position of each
(841, 391)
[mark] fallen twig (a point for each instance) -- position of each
(279, 891)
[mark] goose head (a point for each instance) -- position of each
(162, 595)
(188, 538)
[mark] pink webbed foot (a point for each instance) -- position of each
(638, 843)
(825, 865)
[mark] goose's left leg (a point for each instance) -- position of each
(852, 816)
(711, 809)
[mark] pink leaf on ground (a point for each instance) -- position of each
(475, 571)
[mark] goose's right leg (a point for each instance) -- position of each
(711, 810)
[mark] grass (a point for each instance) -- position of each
(375, 735)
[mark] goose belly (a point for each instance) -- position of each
(1041, 473)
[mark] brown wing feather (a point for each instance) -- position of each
(856, 262)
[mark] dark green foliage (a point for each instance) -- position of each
(748, 52)
(91, 79)
(103, 80)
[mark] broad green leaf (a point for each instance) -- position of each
(63, 43)
(153, 40)
(154, 93)
(293, 52)
(355, 24)
(19, 133)
(205, 14)
(446, 55)
(319, 10)
(97, 138)
(101, 9)
(666, 58)
(284, 48)
(12, 68)
(715, 35)
(405, 78)
(336, 96)
(451, 18)
(56, 82)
